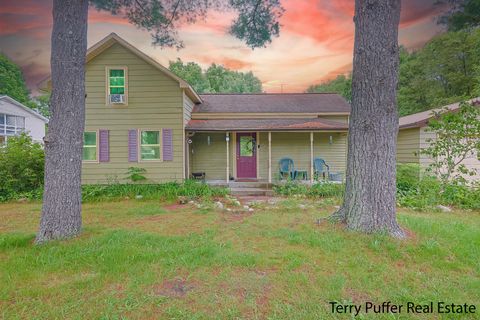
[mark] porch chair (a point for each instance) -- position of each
(287, 168)
(320, 168)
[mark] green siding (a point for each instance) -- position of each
(211, 159)
(408, 145)
(335, 153)
(187, 108)
(155, 101)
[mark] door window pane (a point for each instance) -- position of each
(246, 146)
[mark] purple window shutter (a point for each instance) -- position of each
(104, 148)
(167, 144)
(132, 145)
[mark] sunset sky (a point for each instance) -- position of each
(315, 43)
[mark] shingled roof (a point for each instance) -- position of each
(265, 125)
(273, 103)
(421, 119)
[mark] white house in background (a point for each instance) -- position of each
(16, 118)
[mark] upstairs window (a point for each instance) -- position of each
(11, 125)
(117, 86)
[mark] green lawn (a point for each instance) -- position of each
(151, 260)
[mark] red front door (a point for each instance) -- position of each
(246, 155)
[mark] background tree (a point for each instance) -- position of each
(216, 79)
(256, 23)
(462, 14)
(43, 104)
(12, 82)
(457, 137)
(342, 85)
(445, 70)
(192, 73)
(221, 79)
(369, 203)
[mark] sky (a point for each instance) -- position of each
(315, 42)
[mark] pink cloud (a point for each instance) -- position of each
(313, 31)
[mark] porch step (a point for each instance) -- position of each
(250, 184)
(249, 191)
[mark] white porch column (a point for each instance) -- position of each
(311, 157)
(269, 157)
(227, 139)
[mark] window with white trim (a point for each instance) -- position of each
(90, 146)
(11, 125)
(117, 85)
(149, 145)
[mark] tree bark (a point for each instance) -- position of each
(62, 198)
(370, 197)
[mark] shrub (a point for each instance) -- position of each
(165, 191)
(21, 168)
(421, 191)
(323, 189)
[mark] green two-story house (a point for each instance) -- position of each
(139, 114)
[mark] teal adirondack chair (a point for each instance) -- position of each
(286, 168)
(320, 168)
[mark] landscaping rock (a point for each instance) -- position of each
(138, 196)
(219, 205)
(22, 200)
(246, 207)
(272, 201)
(191, 202)
(229, 210)
(336, 207)
(182, 200)
(250, 209)
(443, 208)
(302, 206)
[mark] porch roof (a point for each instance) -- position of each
(265, 125)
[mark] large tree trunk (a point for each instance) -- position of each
(370, 196)
(62, 198)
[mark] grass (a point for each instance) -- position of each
(139, 259)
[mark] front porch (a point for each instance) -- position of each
(231, 157)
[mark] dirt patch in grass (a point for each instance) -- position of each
(263, 301)
(356, 296)
(175, 207)
(175, 288)
(235, 216)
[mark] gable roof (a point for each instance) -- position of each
(273, 103)
(27, 109)
(113, 38)
(420, 119)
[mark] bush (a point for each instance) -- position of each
(421, 191)
(21, 168)
(165, 191)
(322, 189)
